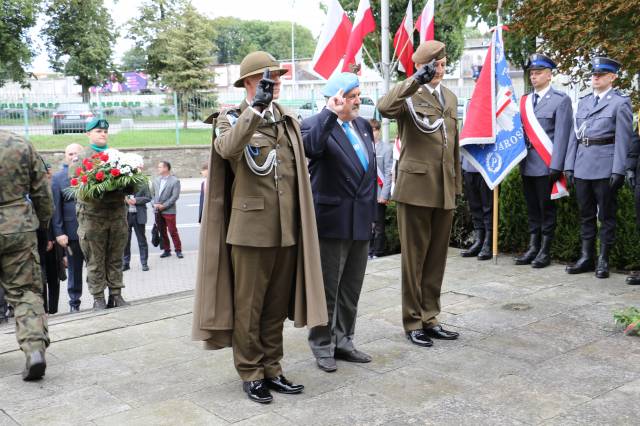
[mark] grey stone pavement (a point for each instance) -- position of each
(536, 347)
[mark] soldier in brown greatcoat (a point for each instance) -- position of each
(428, 180)
(259, 259)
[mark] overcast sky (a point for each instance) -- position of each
(304, 12)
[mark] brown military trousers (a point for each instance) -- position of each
(103, 238)
(264, 279)
(21, 279)
(424, 238)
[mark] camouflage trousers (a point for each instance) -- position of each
(102, 240)
(21, 279)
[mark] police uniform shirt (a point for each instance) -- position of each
(600, 96)
(541, 94)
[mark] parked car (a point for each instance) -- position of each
(71, 118)
(367, 108)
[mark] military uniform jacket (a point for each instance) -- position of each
(228, 193)
(611, 118)
(555, 115)
(25, 196)
(429, 166)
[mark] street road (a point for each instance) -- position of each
(46, 129)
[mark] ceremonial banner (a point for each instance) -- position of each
(492, 138)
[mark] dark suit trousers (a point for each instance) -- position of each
(50, 281)
(595, 197)
(378, 241)
(424, 237)
(343, 266)
(480, 199)
(139, 229)
(541, 209)
(263, 282)
(74, 272)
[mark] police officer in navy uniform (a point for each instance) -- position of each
(553, 111)
(633, 170)
(596, 160)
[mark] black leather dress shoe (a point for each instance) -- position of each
(35, 367)
(179, 255)
(165, 254)
(145, 268)
(257, 391)
(417, 337)
(74, 308)
(633, 279)
(353, 356)
(280, 384)
(327, 364)
(437, 332)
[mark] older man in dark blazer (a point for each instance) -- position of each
(137, 220)
(342, 165)
(65, 226)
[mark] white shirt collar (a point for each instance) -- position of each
(602, 94)
(543, 92)
(340, 122)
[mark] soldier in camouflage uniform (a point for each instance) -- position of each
(25, 205)
(102, 229)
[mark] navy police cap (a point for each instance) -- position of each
(96, 122)
(538, 61)
(602, 64)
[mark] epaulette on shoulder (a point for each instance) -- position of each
(621, 94)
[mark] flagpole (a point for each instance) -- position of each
(384, 45)
(496, 190)
(371, 59)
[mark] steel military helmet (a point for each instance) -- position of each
(256, 63)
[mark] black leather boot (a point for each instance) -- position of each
(486, 253)
(602, 271)
(35, 366)
(532, 251)
(543, 259)
(478, 239)
(586, 263)
(633, 279)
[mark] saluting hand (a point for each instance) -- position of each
(336, 103)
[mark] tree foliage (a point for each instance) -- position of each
(189, 55)
(80, 36)
(235, 38)
(154, 18)
(16, 18)
(134, 59)
(449, 26)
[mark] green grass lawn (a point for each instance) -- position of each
(128, 139)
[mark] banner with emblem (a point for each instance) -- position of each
(492, 138)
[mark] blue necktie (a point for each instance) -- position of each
(535, 99)
(595, 103)
(355, 143)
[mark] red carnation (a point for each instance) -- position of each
(104, 157)
(100, 176)
(74, 182)
(115, 172)
(95, 155)
(78, 171)
(88, 166)
(84, 178)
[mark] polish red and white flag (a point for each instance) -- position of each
(363, 24)
(425, 22)
(403, 42)
(332, 41)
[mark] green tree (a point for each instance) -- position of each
(134, 59)
(16, 18)
(189, 56)
(235, 38)
(80, 36)
(449, 26)
(154, 18)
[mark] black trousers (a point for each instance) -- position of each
(480, 199)
(50, 281)
(75, 259)
(140, 236)
(596, 199)
(637, 192)
(378, 242)
(541, 209)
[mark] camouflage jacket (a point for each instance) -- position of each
(25, 196)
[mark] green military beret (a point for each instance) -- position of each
(99, 123)
(428, 50)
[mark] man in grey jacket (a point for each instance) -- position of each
(137, 220)
(166, 191)
(384, 161)
(596, 159)
(548, 124)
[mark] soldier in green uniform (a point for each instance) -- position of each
(102, 229)
(25, 205)
(259, 258)
(428, 180)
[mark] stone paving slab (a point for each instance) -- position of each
(538, 347)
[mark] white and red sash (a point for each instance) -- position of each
(541, 143)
